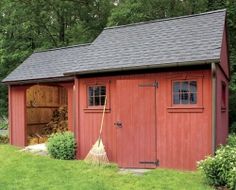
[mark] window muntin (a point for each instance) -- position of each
(96, 95)
(184, 92)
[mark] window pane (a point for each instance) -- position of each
(184, 98)
(176, 99)
(185, 92)
(102, 100)
(193, 98)
(103, 90)
(176, 87)
(184, 87)
(90, 91)
(96, 95)
(96, 90)
(91, 101)
(96, 101)
(193, 86)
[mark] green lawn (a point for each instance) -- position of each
(25, 171)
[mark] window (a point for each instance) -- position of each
(223, 95)
(184, 92)
(96, 95)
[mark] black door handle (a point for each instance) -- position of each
(118, 124)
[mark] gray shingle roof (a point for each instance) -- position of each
(187, 39)
(48, 64)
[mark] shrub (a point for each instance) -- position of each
(4, 139)
(232, 128)
(232, 179)
(3, 123)
(231, 141)
(62, 146)
(217, 169)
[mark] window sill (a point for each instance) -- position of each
(96, 110)
(185, 109)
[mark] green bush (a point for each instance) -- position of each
(62, 146)
(4, 139)
(3, 123)
(232, 179)
(217, 169)
(232, 128)
(231, 141)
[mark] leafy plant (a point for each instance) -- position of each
(218, 169)
(4, 139)
(3, 123)
(62, 146)
(231, 141)
(232, 128)
(232, 179)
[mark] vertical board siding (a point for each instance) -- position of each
(182, 138)
(17, 110)
(136, 139)
(222, 116)
(224, 62)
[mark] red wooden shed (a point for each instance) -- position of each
(166, 82)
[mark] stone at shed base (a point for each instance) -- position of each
(39, 149)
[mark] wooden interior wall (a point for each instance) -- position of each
(69, 88)
(41, 101)
(184, 135)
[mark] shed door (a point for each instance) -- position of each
(135, 124)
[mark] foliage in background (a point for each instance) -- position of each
(3, 123)
(219, 170)
(62, 146)
(131, 11)
(29, 25)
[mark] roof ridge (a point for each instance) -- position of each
(164, 19)
(59, 48)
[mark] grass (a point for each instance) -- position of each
(26, 171)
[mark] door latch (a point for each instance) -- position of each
(118, 124)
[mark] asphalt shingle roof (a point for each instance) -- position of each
(188, 39)
(48, 64)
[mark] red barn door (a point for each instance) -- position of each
(135, 125)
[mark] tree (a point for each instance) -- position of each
(29, 25)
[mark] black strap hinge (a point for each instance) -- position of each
(157, 163)
(154, 84)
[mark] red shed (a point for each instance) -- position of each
(166, 82)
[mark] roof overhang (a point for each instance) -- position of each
(153, 66)
(40, 80)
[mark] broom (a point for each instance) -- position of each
(97, 155)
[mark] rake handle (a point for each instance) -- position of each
(101, 127)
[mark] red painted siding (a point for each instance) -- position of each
(222, 73)
(17, 115)
(183, 134)
(221, 110)
(224, 54)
